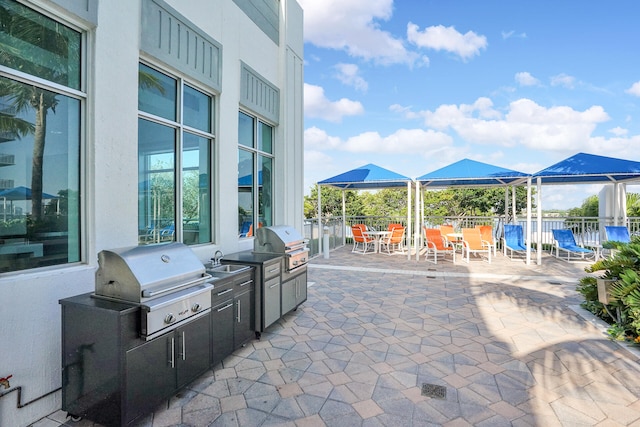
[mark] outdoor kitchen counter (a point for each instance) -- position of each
(250, 257)
(268, 268)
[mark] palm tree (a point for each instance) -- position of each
(39, 33)
(24, 97)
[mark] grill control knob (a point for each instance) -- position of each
(169, 318)
(195, 307)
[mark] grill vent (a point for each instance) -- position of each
(435, 391)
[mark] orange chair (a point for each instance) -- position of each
(446, 229)
(394, 240)
(472, 242)
(437, 244)
(391, 226)
(361, 240)
(486, 232)
(250, 232)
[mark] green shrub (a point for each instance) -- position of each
(623, 310)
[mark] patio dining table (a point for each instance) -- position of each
(456, 240)
(378, 237)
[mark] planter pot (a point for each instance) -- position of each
(604, 290)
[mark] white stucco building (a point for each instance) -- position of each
(159, 120)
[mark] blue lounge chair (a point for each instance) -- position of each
(513, 240)
(564, 241)
(617, 233)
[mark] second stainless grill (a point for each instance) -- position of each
(284, 240)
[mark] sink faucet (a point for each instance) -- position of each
(217, 256)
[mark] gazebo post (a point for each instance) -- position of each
(529, 207)
(344, 219)
(506, 204)
(318, 188)
(418, 233)
(514, 210)
(539, 222)
(409, 220)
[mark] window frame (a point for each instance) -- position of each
(256, 154)
(81, 94)
(179, 128)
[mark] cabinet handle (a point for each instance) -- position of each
(184, 347)
(226, 291)
(246, 283)
(238, 315)
(274, 285)
(172, 361)
(274, 270)
(225, 307)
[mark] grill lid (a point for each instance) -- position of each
(277, 239)
(139, 273)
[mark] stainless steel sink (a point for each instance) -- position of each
(227, 269)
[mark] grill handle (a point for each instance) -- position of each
(172, 351)
(149, 293)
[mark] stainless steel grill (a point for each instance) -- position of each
(283, 240)
(167, 281)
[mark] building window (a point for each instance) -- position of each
(255, 182)
(41, 108)
(175, 138)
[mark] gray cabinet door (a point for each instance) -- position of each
(150, 375)
(221, 331)
(294, 292)
(243, 331)
(192, 350)
(271, 301)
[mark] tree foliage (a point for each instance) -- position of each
(332, 202)
(590, 206)
(393, 202)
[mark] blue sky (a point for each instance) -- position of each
(415, 85)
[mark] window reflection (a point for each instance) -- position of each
(255, 167)
(37, 45)
(39, 177)
(156, 185)
(174, 160)
(196, 199)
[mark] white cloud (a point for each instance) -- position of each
(509, 34)
(317, 105)
(618, 131)
(448, 39)
(634, 89)
(526, 79)
(563, 80)
(354, 26)
(402, 141)
(406, 112)
(349, 75)
(525, 123)
(317, 139)
(408, 141)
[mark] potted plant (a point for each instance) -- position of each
(615, 295)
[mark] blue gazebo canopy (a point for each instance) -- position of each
(471, 173)
(22, 193)
(367, 177)
(590, 168)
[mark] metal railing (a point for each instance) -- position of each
(587, 230)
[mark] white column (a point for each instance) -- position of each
(319, 219)
(344, 219)
(539, 223)
(529, 207)
(409, 231)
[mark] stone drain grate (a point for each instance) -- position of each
(434, 390)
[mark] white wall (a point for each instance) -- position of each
(29, 309)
